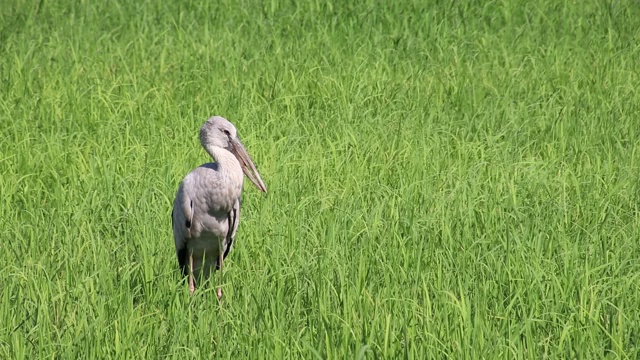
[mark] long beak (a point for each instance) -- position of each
(247, 164)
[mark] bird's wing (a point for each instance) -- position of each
(181, 221)
(233, 218)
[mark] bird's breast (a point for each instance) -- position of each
(212, 190)
(203, 202)
(222, 195)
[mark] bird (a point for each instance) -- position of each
(206, 209)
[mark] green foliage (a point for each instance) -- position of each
(446, 179)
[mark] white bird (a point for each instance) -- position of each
(206, 211)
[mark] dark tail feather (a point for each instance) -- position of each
(183, 259)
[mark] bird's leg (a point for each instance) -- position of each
(220, 287)
(192, 286)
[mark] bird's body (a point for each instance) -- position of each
(203, 216)
(206, 210)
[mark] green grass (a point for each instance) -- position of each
(446, 180)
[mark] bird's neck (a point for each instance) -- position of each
(228, 165)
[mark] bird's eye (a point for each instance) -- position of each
(226, 132)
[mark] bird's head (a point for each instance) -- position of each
(219, 132)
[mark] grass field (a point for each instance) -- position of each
(446, 180)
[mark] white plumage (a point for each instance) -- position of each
(206, 210)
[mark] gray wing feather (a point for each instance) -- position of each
(181, 221)
(233, 220)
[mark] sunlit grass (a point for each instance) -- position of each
(445, 180)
